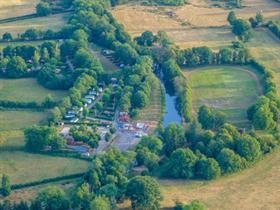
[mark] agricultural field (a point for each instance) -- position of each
(16, 120)
(225, 88)
(265, 47)
(54, 22)
(199, 23)
(24, 167)
(26, 90)
(254, 188)
(12, 8)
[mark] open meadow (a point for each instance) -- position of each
(254, 188)
(13, 8)
(54, 22)
(24, 167)
(265, 47)
(26, 90)
(226, 88)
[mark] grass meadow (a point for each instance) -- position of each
(26, 90)
(265, 47)
(13, 8)
(253, 188)
(152, 112)
(225, 88)
(24, 167)
(54, 22)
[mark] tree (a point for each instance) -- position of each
(146, 39)
(100, 203)
(242, 29)
(173, 138)
(7, 37)
(248, 147)
(259, 18)
(231, 17)
(53, 198)
(6, 186)
(206, 117)
(16, 67)
(194, 205)
(208, 168)
(43, 9)
(182, 164)
(229, 161)
(144, 193)
(140, 99)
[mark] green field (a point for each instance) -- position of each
(265, 48)
(24, 167)
(26, 90)
(225, 88)
(16, 120)
(54, 22)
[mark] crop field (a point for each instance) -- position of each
(24, 167)
(152, 112)
(265, 47)
(196, 24)
(16, 120)
(12, 8)
(254, 188)
(26, 90)
(54, 22)
(11, 140)
(225, 88)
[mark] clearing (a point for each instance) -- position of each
(254, 188)
(54, 22)
(26, 90)
(14, 8)
(226, 88)
(24, 167)
(265, 48)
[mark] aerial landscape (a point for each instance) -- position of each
(139, 104)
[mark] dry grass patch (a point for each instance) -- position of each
(265, 48)
(254, 188)
(12, 8)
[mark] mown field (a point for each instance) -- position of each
(254, 188)
(196, 24)
(265, 47)
(16, 120)
(54, 22)
(24, 167)
(225, 88)
(12, 8)
(26, 90)
(152, 112)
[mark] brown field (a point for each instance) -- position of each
(254, 188)
(192, 25)
(12, 8)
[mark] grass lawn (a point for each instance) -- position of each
(16, 120)
(54, 22)
(225, 88)
(11, 140)
(265, 48)
(254, 188)
(152, 112)
(26, 90)
(13, 8)
(24, 167)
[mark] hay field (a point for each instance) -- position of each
(254, 188)
(26, 90)
(226, 88)
(54, 22)
(12, 8)
(265, 47)
(24, 167)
